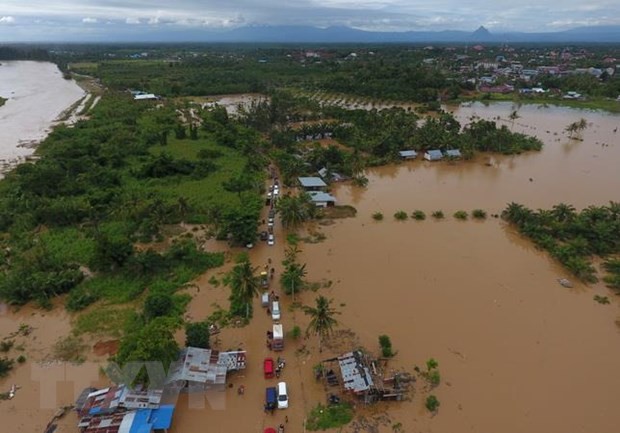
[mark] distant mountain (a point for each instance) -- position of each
(300, 34)
(308, 34)
(482, 34)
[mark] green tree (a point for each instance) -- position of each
(157, 305)
(295, 210)
(197, 335)
(244, 285)
(322, 321)
(431, 403)
(292, 279)
(154, 342)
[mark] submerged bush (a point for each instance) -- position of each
(460, 215)
(418, 215)
(401, 215)
(479, 214)
(377, 216)
(438, 214)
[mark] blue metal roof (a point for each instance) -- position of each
(162, 417)
(140, 421)
(453, 152)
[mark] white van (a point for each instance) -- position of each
(282, 396)
(275, 310)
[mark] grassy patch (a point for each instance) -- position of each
(324, 417)
(103, 320)
(69, 349)
(68, 245)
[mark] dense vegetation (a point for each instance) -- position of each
(573, 237)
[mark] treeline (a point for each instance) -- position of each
(23, 53)
(371, 137)
(574, 238)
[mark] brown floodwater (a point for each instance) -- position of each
(37, 94)
(517, 352)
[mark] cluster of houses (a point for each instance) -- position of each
(315, 187)
(432, 154)
(122, 409)
(511, 69)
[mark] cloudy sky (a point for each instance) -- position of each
(61, 20)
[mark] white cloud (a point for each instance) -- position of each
(89, 20)
(132, 21)
(7, 20)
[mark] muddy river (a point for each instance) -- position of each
(37, 94)
(517, 352)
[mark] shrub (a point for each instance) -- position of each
(6, 345)
(460, 215)
(431, 364)
(432, 404)
(438, 215)
(197, 335)
(21, 359)
(434, 377)
(386, 346)
(157, 304)
(418, 215)
(401, 215)
(6, 365)
(296, 332)
(479, 214)
(601, 299)
(377, 216)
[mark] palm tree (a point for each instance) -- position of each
(322, 319)
(515, 213)
(563, 212)
(244, 283)
(294, 210)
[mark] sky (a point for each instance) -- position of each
(87, 20)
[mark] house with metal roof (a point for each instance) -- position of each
(433, 155)
(453, 153)
(322, 199)
(201, 369)
(356, 376)
(312, 183)
(408, 154)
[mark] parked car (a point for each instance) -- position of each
(268, 368)
(271, 240)
(275, 310)
(282, 396)
(264, 236)
(264, 299)
(271, 398)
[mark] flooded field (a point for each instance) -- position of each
(517, 352)
(37, 94)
